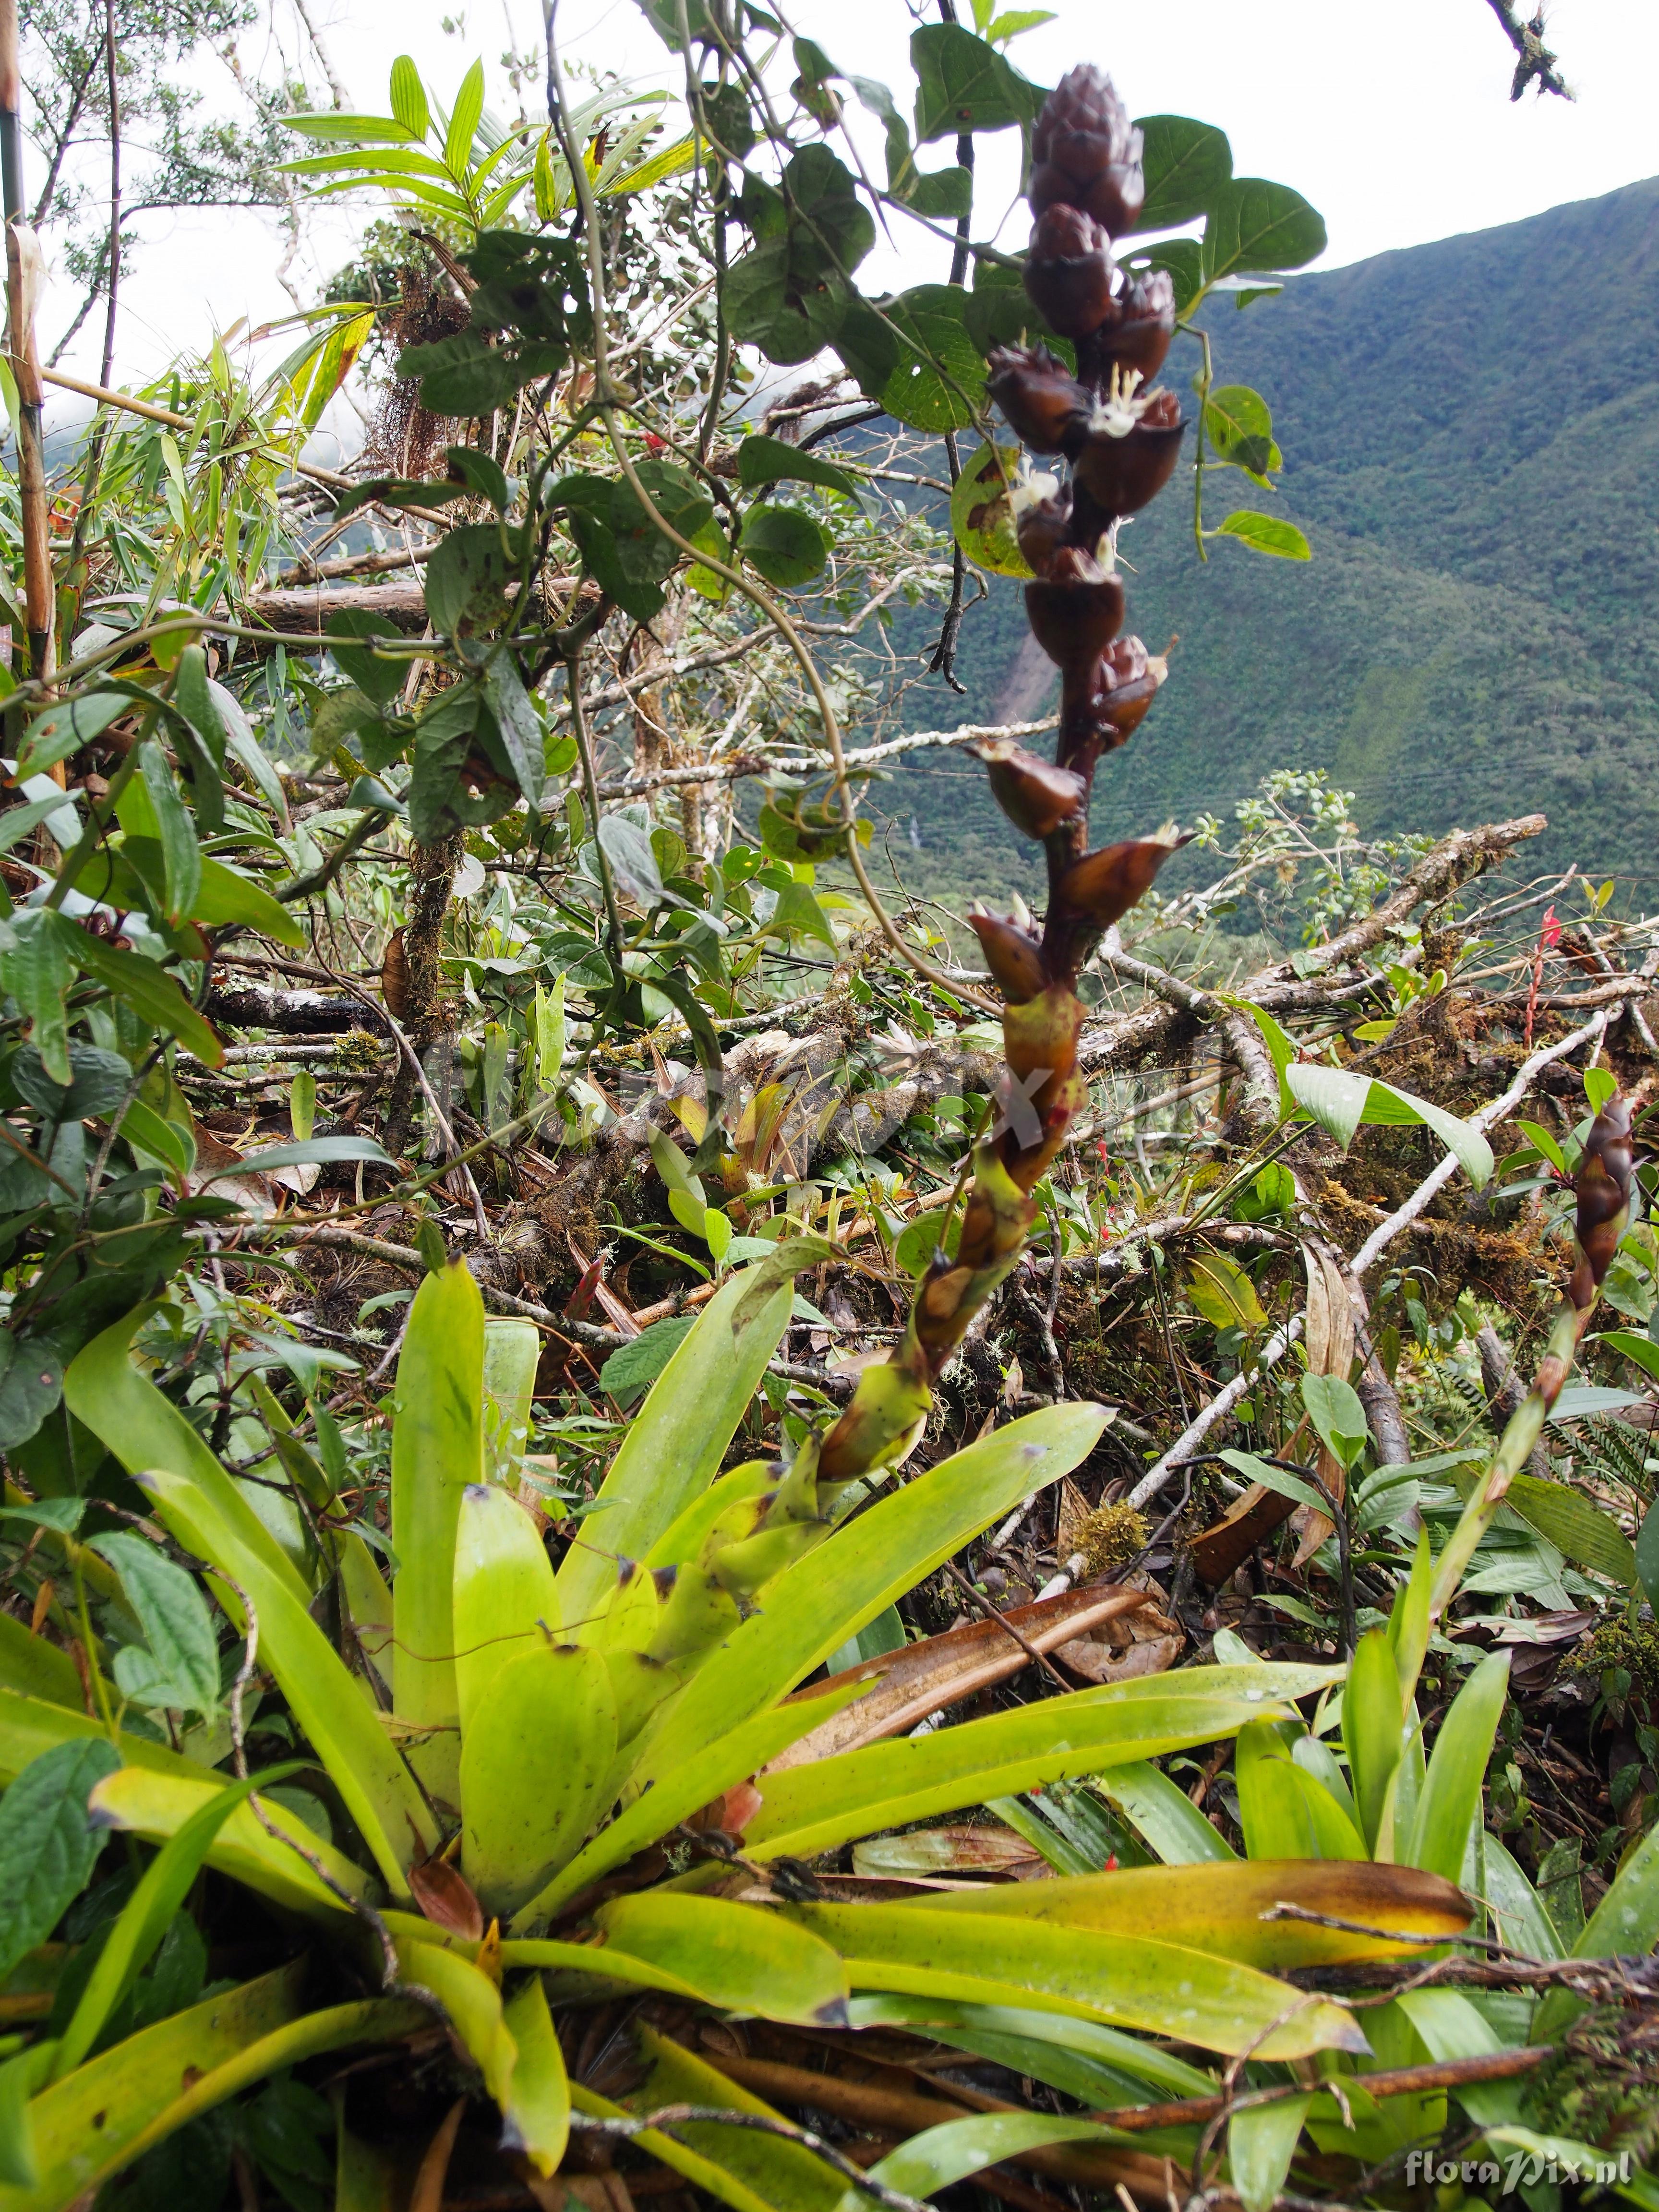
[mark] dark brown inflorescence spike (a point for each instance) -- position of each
(1085, 151)
(1602, 1189)
(1123, 441)
(1046, 407)
(1069, 271)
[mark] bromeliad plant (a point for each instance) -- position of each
(550, 1776)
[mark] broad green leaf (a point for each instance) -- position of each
(1334, 1408)
(1264, 533)
(674, 1446)
(47, 1844)
(740, 2167)
(181, 856)
(1541, 1141)
(153, 996)
(1522, 1923)
(125, 1411)
(146, 1917)
(373, 1783)
(549, 1034)
(1451, 2028)
(38, 1668)
(812, 1608)
(1449, 1804)
(1261, 2142)
(1334, 1096)
(815, 1808)
(37, 967)
(1240, 426)
(540, 2106)
(437, 1448)
(1647, 1556)
(1284, 1811)
(158, 1803)
(315, 1152)
(963, 85)
(1225, 1909)
(683, 1789)
(938, 2157)
(1129, 1981)
(1388, 1105)
(1279, 1479)
(1098, 2065)
(223, 898)
(537, 1752)
(1566, 1518)
(784, 544)
(762, 460)
(741, 1957)
(511, 1353)
(1224, 1294)
(1163, 1815)
(1339, 1099)
(463, 120)
(1371, 1724)
(918, 358)
(1186, 165)
(408, 97)
(634, 1366)
(183, 1651)
(1254, 225)
(504, 1597)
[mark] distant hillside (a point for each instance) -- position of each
(1471, 433)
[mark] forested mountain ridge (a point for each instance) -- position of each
(1470, 444)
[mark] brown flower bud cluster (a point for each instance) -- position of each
(1602, 1187)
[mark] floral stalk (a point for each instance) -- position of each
(1602, 1190)
(1122, 441)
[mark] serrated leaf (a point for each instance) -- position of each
(174, 1615)
(963, 85)
(47, 1846)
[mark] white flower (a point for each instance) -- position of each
(1116, 414)
(1030, 488)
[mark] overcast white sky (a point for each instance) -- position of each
(1394, 120)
